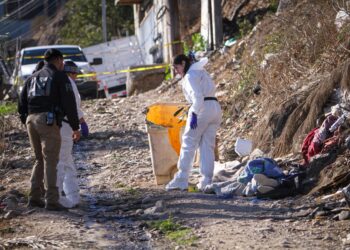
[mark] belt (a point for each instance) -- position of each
(210, 99)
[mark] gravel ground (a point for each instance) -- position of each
(120, 199)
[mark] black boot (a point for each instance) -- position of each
(55, 207)
(35, 203)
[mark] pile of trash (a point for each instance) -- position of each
(262, 177)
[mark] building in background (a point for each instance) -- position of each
(162, 25)
(118, 55)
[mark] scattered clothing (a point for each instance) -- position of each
(314, 141)
(261, 175)
(290, 185)
(330, 144)
(265, 166)
(309, 146)
(323, 132)
(262, 184)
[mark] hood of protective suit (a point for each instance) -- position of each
(200, 64)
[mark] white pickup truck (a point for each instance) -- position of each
(27, 59)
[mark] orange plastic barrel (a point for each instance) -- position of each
(164, 134)
(162, 114)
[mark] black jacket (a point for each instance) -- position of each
(47, 90)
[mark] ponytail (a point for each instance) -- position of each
(180, 58)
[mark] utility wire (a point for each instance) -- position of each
(17, 10)
(50, 7)
(7, 1)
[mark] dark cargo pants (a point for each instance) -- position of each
(46, 142)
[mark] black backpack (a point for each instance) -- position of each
(289, 186)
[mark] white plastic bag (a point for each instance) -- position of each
(243, 147)
(341, 18)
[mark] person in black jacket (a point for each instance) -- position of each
(47, 95)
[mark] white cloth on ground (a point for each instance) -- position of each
(231, 187)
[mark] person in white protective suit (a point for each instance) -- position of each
(67, 180)
(204, 119)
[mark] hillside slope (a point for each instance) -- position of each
(284, 53)
(122, 208)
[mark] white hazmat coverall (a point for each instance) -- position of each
(197, 84)
(67, 179)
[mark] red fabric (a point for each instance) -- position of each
(306, 144)
(330, 143)
(311, 148)
(314, 149)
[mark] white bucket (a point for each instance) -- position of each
(243, 147)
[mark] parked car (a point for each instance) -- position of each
(114, 86)
(118, 55)
(27, 59)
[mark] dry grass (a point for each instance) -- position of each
(297, 82)
(302, 49)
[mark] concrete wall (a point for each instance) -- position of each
(143, 81)
(154, 30)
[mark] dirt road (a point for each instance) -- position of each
(122, 208)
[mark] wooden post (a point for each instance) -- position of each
(175, 32)
(171, 26)
(211, 23)
(205, 22)
(217, 23)
(166, 25)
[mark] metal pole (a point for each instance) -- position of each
(104, 26)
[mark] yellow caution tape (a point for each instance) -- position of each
(175, 42)
(33, 57)
(124, 71)
(42, 57)
(108, 73)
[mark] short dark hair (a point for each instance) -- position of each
(180, 58)
(71, 67)
(52, 54)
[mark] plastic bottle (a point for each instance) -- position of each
(337, 123)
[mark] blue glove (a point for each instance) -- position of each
(193, 123)
(84, 129)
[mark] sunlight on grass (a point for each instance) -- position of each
(175, 232)
(8, 108)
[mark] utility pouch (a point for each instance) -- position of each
(50, 118)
